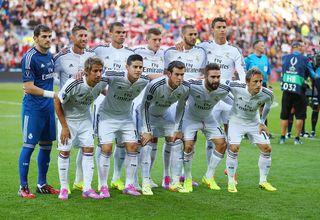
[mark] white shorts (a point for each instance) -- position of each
(209, 127)
(163, 125)
(81, 133)
(221, 112)
(236, 131)
(109, 128)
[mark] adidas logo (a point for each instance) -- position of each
(42, 65)
(119, 87)
(179, 57)
(145, 58)
(107, 58)
(71, 65)
(240, 98)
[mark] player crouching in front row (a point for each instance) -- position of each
(75, 127)
(244, 119)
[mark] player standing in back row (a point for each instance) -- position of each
(230, 60)
(153, 66)
(68, 63)
(115, 57)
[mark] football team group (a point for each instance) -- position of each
(132, 97)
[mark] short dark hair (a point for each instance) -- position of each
(40, 28)
(92, 61)
(77, 28)
(217, 19)
(185, 27)
(134, 57)
(211, 66)
(176, 64)
(251, 72)
(115, 24)
(296, 44)
(155, 31)
(256, 42)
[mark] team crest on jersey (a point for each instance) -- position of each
(42, 65)
(209, 52)
(145, 58)
(119, 87)
(179, 57)
(198, 96)
(71, 65)
(107, 58)
(30, 136)
(240, 98)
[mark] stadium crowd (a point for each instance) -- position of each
(277, 22)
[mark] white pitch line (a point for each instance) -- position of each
(10, 116)
(9, 103)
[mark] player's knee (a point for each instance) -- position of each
(188, 148)
(234, 148)
(266, 148)
(221, 147)
(87, 149)
(65, 153)
(169, 139)
(106, 148)
(131, 147)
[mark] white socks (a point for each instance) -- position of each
(119, 156)
(79, 171)
(166, 158)
(145, 162)
(215, 160)
(187, 164)
(88, 168)
(63, 167)
(264, 164)
(232, 164)
(153, 153)
(177, 160)
(131, 163)
(209, 149)
(103, 168)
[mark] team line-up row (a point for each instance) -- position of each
(166, 106)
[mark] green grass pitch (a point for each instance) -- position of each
(295, 172)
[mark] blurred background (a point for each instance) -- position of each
(277, 22)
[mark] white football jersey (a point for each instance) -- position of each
(245, 107)
(121, 92)
(228, 57)
(201, 101)
(158, 97)
(76, 97)
(114, 59)
(195, 60)
(68, 63)
(152, 62)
